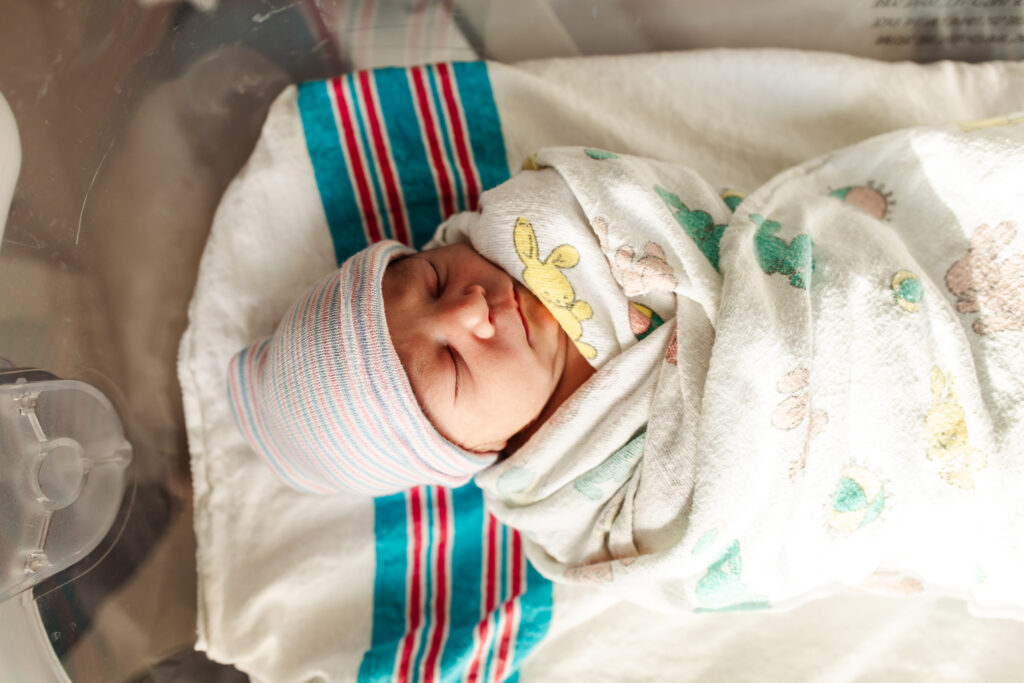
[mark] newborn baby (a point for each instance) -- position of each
(403, 368)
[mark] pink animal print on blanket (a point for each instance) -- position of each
(636, 274)
(794, 409)
(983, 284)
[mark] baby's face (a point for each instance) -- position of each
(482, 353)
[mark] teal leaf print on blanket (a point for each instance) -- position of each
(696, 223)
(907, 290)
(615, 469)
(732, 199)
(600, 154)
(515, 480)
(859, 499)
(721, 588)
(705, 541)
(777, 256)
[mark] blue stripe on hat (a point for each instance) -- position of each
(414, 439)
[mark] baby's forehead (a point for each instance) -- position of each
(408, 262)
(401, 273)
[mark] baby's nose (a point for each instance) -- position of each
(471, 312)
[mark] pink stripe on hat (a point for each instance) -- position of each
(326, 402)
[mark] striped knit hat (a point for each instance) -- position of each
(325, 399)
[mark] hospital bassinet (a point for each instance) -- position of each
(129, 119)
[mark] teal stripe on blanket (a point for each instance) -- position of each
(393, 646)
(332, 178)
(409, 153)
(467, 576)
(482, 120)
(535, 618)
(457, 190)
(489, 663)
(389, 609)
(429, 586)
(363, 125)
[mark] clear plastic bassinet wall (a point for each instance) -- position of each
(121, 123)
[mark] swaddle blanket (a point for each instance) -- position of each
(796, 390)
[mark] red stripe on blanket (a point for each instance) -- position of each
(429, 126)
(492, 563)
(495, 574)
(479, 639)
(356, 168)
(482, 637)
(471, 181)
(382, 158)
(499, 633)
(414, 592)
(506, 646)
(442, 585)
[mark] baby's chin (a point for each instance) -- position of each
(492, 443)
(485, 447)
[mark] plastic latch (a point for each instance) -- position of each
(63, 458)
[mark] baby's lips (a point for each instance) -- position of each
(522, 315)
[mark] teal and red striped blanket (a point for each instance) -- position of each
(394, 153)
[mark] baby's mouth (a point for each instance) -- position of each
(522, 318)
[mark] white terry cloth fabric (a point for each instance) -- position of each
(269, 559)
(823, 384)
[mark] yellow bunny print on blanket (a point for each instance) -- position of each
(946, 426)
(547, 281)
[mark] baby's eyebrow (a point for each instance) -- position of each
(408, 274)
(430, 264)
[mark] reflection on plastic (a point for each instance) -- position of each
(10, 160)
